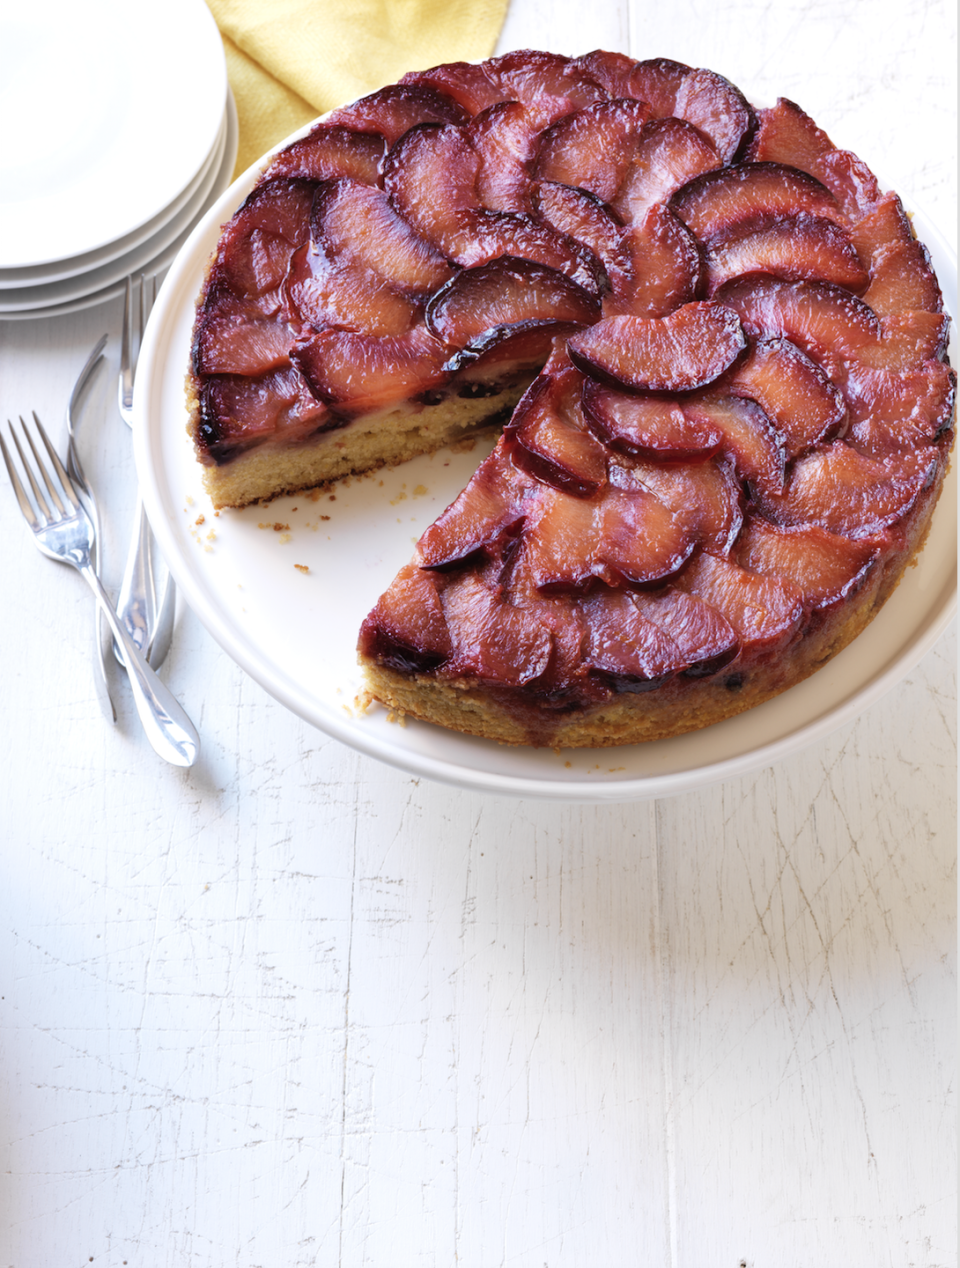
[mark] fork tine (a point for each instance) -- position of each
(26, 506)
(35, 489)
(66, 483)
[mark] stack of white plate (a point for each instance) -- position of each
(117, 133)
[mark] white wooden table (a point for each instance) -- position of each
(294, 1007)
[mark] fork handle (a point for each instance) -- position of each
(137, 601)
(168, 728)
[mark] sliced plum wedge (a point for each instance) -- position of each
(750, 438)
(705, 496)
(680, 352)
(705, 639)
(239, 335)
(503, 293)
(407, 628)
(647, 425)
(788, 135)
(658, 268)
(358, 372)
(505, 136)
(800, 247)
(237, 411)
(718, 200)
(763, 611)
(668, 154)
(484, 519)
(849, 493)
(592, 148)
(632, 652)
(394, 110)
(548, 438)
(442, 160)
(617, 537)
(794, 393)
(895, 411)
(822, 565)
(494, 640)
(331, 151)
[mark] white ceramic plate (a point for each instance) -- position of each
(156, 254)
(295, 632)
(108, 110)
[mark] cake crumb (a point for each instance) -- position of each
(568, 764)
(420, 491)
(314, 495)
(333, 497)
(199, 520)
(189, 500)
(284, 538)
(302, 567)
(211, 536)
(401, 497)
(325, 518)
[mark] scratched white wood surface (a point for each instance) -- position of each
(298, 1008)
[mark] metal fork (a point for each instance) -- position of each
(66, 533)
(150, 623)
(75, 470)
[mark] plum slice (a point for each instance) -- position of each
(719, 109)
(704, 638)
(705, 496)
(592, 148)
(330, 151)
(849, 493)
(466, 82)
(718, 200)
(504, 293)
(237, 412)
(750, 439)
(441, 160)
(647, 426)
(794, 393)
(901, 275)
(682, 351)
(669, 153)
(822, 565)
(494, 640)
(485, 517)
(763, 611)
(547, 436)
(658, 268)
(238, 335)
(630, 651)
(505, 137)
(359, 372)
(799, 247)
(828, 323)
(498, 233)
(407, 629)
(256, 245)
(394, 110)
(356, 223)
(617, 537)
(894, 411)
(787, 135)
(322, 292)
(582, 216)
(551, 84)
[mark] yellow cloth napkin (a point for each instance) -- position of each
(291, 60)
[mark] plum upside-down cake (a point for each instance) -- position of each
(714, 346)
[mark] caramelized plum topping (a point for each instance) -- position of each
(719, 200)
(801, 247)
(592, 148)
(647, 426)
(631, 651)
(706, 497)
(794, 393)
(787, 135)
(706, 640)
(582, 216)
(848, 493)
(669, 153)
(394, 110)
(687, 349)
(359, 372)
(240, 336)
(750, 439)
(487, 514)
(331, 151)
(494, 641)
(355, 224)
(505, 136)
(548, 439)
(407, 629)
(763, 611)
(895, 411)
(466, 82)
(505, 292)
(442, 160)
(823, 566)
(659, 267)
(237, 412)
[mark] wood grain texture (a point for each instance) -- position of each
(297, 1008)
